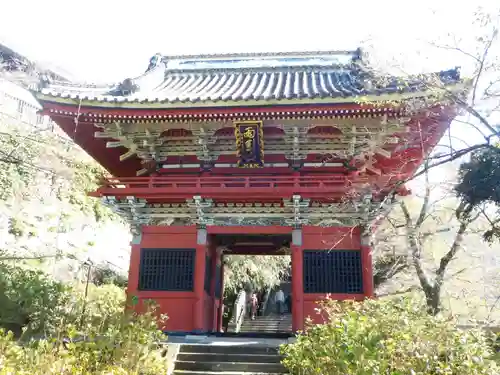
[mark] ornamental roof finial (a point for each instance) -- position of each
(127, 87)
(154, 61)
(358, 54)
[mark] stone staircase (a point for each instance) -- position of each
(272, 323)
(228, 360)
(285, 324)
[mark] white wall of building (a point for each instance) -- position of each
(18, 104)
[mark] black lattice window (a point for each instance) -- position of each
(218, 281)
(208, 273)
(167, 269)
(337, 271)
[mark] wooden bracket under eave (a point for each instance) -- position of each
(127, 155)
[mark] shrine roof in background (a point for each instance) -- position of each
(248, 80)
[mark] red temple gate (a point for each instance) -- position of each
(206, 147)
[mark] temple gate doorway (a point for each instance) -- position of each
(258, 300)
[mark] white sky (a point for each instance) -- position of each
(108, 40)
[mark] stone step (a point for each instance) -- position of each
(228, 360)
(265, 325)
(224, 366)
(276, 328)
(186, 372)
(257, 321)
(260, 330)
(260, 325)
(224, 357)
(269, 319)
(285, 324)
(229, 349)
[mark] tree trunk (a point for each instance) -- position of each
(432, 290)
(417, 261)
(433, 299)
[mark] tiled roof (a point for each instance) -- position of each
(240, 78)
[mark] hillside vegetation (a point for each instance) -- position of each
(45, 213)
(50, 321)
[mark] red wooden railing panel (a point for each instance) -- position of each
(165, 187)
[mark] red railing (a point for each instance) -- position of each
(221, 186)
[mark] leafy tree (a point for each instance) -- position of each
(479, 50)
(106, 275)
(261, 271)
(415, 238)
(31, 299)
(479, 186)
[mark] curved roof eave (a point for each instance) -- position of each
(161, 105)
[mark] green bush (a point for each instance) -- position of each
(496, 346)
(103, 307)
(31, 300)
(130, 346)
(102, 338)
(389, 337)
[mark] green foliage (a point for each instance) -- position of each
(480, 177)
(16, 150)
(480, 183)
(102, 307)
(495, 344)
(106, 275)
(103, 338)
(387, 265)
(389, 337)
(262, 271)
(16, 227)
(31, 300)
(128, 346)
(33, 158)
(84, 179)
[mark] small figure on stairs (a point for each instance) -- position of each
(254, 301)
(280, 301)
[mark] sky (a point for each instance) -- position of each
(109, 40)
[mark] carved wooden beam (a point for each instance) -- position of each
(294, 138)
(203, 141)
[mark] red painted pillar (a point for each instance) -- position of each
(366, 260)
(199, 289)
(221, 300)
(133, 271)
(297, 289)
(214, 301)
